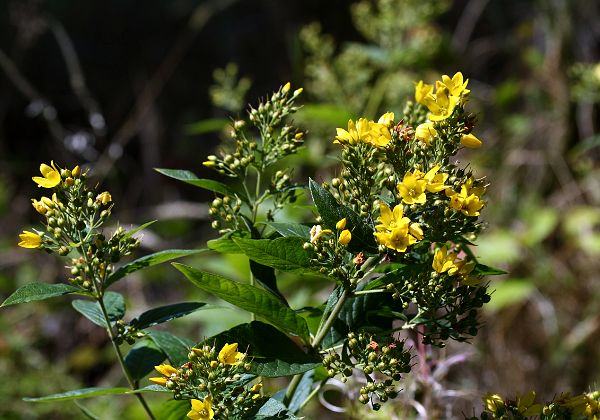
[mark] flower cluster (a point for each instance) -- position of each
(216, 383)
(397, 175)
(578, 407)
(74, 217)
(327, 252)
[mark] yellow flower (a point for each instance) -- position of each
(341, 224)
(444, 262)
(455, 86)
(412, 189)
(396, 231)
(30, 240)
(76, 171)
(355, 133)
(229, 354)
(386, 119)
(470, 141)
(286, 87)
(435, 181)
(209, 163)
(50, 176)
(444, 104)
(201, 410)
(379, 135)
(345, 237)
(493, 402)
(423, 93)
(39, 206)
(104, 198)
(167, 371)
(468, 200)
(425, 132)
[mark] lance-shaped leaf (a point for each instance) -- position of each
(39, 291)
(165, 313)
(150, 260)
(113, 302)
(265, 276)
(484, 270)
(176, 348)
(291, 229)
(208, 184)
(284, 254)
(331, 212)
(77, 394)
(250, 298)
(139, 228)
(272, 352)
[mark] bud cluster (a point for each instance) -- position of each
(74, 217)
(220, 376)
(226, 213)
(127, 333)
(385, 356)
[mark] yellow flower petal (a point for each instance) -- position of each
(50, 176)
(470, 141)
(30, 240)
(345, 237)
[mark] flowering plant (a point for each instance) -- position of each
(392, 235)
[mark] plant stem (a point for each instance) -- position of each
(331, 319)
(132, 383)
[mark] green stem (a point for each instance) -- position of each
(117, 350)
(366, 292)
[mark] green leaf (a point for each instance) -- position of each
(250, 298)
(273, 353)
(208, 184)
(291, 229)
(38, 291)
(209, 125)
(165, 313)
(142, 358)
(137, 229)
(265, 276)
(225, 244)
(150, 260)
(176, 348)
(331, 212)
(79, 394)
(484, 270)
(273, 409)
(173, 410)
(113, 302)
(302, 391)
(285, 254)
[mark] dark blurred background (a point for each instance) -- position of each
(123, 87)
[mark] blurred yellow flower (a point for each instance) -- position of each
(104, 198)
(355, 133)
(443, 106)
(423, 93)
(50, 176)
(444, 262)
(386, 119)
(435, 181)
(468, 200)
(30, 240)
(493, 402)
(345, 237)
(167, 371)
(201, 410)
(425, 132)
(340, 225)
(229, 354)
(456, 86)
(470, 141)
